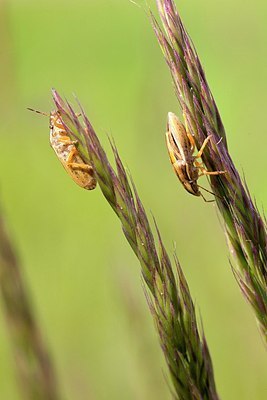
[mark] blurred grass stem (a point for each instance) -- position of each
(33, 364)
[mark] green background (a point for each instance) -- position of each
(82, 276)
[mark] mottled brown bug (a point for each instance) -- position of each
(181, 147)
(66, 150)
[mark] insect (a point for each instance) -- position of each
(66, 150)
(181, 146)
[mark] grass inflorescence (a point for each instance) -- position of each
(245, 228)
(184, 346)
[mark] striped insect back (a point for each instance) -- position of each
(68, 154)
(181, 147)
(66, 150)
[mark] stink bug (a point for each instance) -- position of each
(66, 150)
(181, 146)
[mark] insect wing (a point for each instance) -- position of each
(179, 137)
(68, 154)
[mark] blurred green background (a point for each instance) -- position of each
(83, 278)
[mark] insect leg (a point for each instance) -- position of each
(192, 141)
(207, 201)
(80, 166)
(205, 172)
(66, 140)
(77, 165)
(73, 152)
(189, 135)
(208, 191)
(198, 164)
(199, 154)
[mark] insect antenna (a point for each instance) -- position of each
(208, 191)
(38, 112)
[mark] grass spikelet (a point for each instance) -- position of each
(245, 228)
(185, 348)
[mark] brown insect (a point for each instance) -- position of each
(181, 147)
(66, 150)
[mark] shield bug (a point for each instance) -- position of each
(181, 147)
(67, 152)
